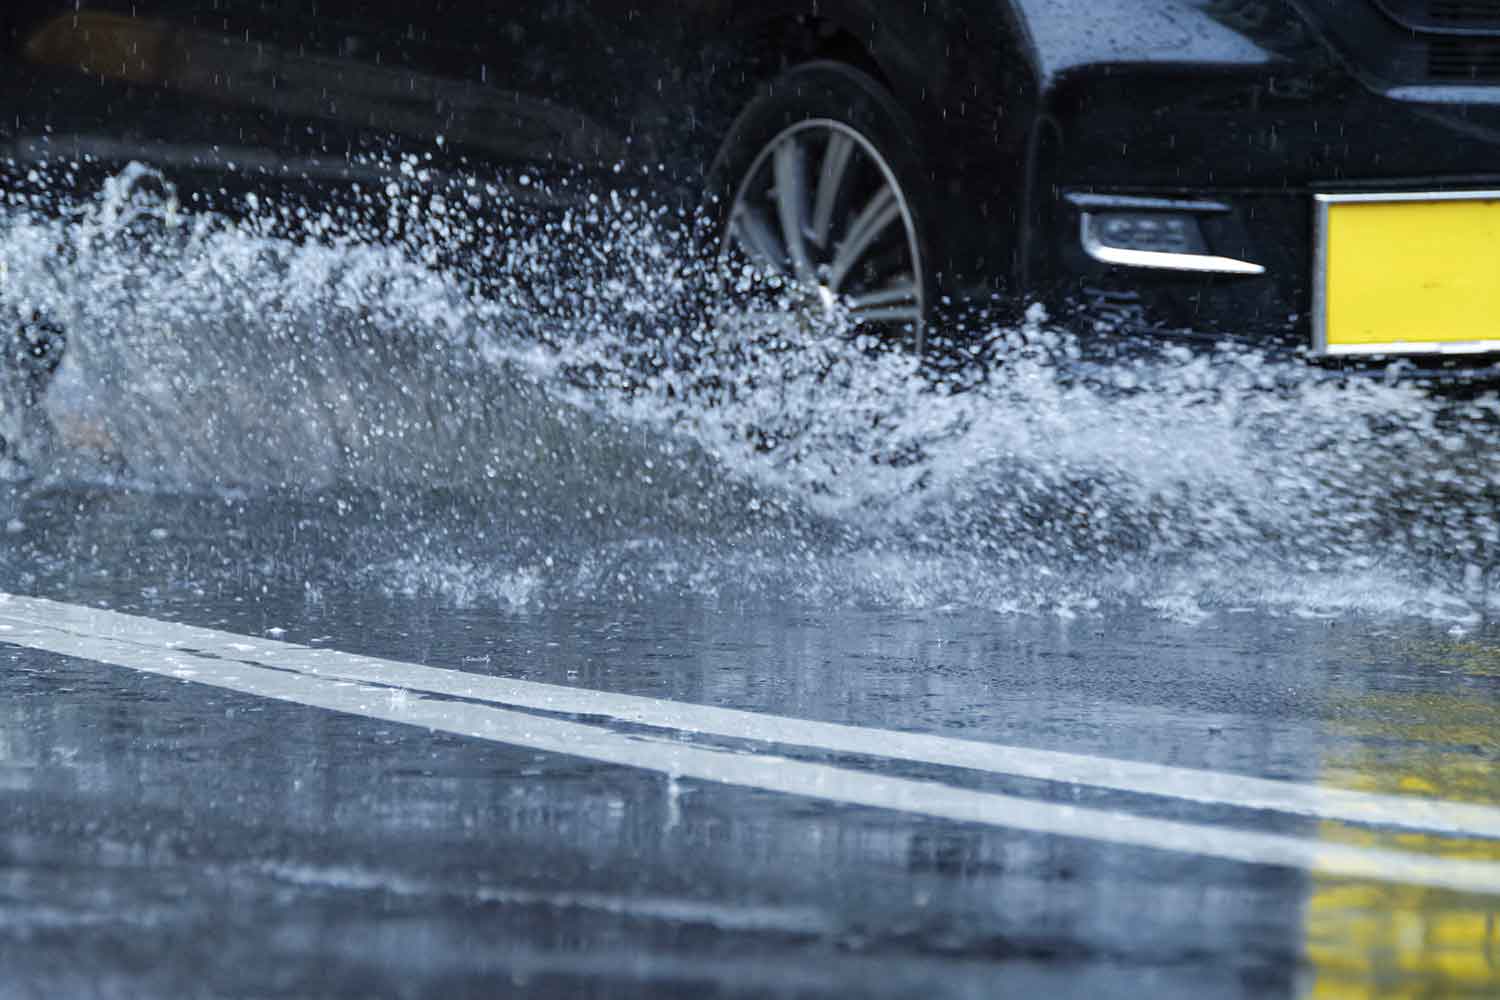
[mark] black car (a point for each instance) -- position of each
(1322, 175)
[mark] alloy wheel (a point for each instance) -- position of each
(822, 209)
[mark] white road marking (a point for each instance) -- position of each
(330, 680)
(1206, 787)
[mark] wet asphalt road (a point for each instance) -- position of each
(355, 461)
(164, 837)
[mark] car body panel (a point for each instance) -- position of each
(1018, 106)
(1073, 34)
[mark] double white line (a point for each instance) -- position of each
(485, 707)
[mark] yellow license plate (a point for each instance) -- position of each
(1408, 274)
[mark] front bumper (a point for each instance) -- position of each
(1260, 280)
(1251, 170)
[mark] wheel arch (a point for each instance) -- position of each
(906, 54)
(974, 56)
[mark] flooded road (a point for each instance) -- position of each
(373, 635)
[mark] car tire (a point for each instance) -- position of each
(818, 183)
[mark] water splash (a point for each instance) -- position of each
(535, 405)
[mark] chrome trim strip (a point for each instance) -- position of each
(1126, 202)
(1320, 345)
(1418, 17)
(1327, 199)
(1415, 347)
(83, 148)
(1320, 277)
(221, 159)
(1159, 260)
(1445, 93)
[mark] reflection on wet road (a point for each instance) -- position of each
(156, 811)
(1405, 941)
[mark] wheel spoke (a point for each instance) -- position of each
(830, 180)
(820, 207)
(791, 205)
(903, 291)
(755, 235)
(881, 211)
